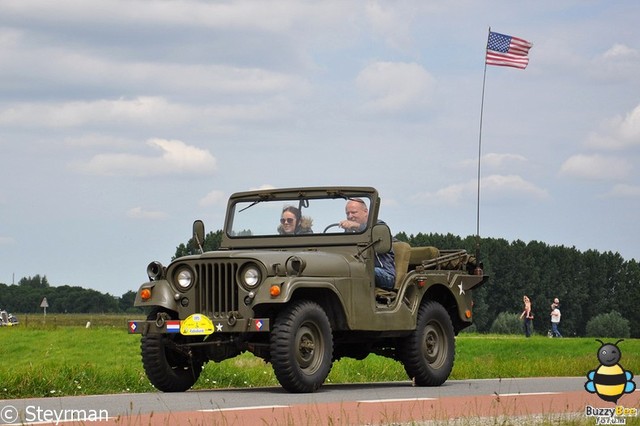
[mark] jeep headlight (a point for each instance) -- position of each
(184, 278)
(250, 276)
(155, 271)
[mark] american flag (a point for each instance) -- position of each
(507, 51)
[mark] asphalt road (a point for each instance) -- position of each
(361, 404)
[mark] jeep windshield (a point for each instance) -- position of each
(294, 216)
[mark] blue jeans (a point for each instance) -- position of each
(527, 327)
(554, 330)
(384, 279)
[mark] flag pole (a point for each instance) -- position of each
(484, 79)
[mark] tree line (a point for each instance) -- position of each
(588, 283)
(26, 297)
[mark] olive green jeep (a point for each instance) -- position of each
(303, 300)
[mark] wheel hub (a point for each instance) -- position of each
(433, 345)
(307, 357)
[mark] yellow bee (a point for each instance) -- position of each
(609, 381)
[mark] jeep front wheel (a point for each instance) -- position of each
(302, 347)
(169, 366)
(428, 352)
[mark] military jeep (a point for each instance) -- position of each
(303, 300)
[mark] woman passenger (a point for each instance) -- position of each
(292, 222)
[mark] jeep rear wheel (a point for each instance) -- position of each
(302, 347)
(428, 352)
(169, 366)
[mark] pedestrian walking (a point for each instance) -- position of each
(527, 315)
(555, 318)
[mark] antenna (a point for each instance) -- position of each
(484, 79)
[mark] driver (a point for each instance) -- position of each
(357, 216)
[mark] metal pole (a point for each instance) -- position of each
(484, 79)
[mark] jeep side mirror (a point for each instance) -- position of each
(198, 233)
(381, 237)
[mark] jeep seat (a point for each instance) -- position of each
(402, 252)
(418, 254)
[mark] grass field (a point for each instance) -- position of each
(64, 357)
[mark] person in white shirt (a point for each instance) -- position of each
(555, 318)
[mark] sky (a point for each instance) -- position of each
(122, 121)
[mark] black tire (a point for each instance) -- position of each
(302, 347)
(168, 369)
(428, 353)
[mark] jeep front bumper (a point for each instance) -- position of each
(199, 325)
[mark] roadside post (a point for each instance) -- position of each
(44, 305)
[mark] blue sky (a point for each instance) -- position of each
(123, 121)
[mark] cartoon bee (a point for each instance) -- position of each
(609, 381)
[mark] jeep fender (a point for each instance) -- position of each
(303, 288)
(161, 295)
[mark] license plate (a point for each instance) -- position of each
(196, 325)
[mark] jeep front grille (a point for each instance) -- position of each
(217, 290)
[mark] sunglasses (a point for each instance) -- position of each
(288, 221)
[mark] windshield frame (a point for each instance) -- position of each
(272, 201)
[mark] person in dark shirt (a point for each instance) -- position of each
(357, 215)
(527, 315)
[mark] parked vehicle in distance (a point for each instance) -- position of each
(8, 319)
(301, 301)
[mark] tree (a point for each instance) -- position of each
(608, 325)
(34, 282)
(629, 294)
(125, 303)
(507, 323)
(212, 241)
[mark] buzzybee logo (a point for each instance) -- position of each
(609, 381)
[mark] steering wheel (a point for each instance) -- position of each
(329, 227)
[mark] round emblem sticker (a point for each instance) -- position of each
(196, 324)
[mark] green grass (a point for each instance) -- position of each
(485, 356)
(62, 357)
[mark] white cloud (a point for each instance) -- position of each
(619, 63)
(598, 167)
(451, 194)
(151, 112)
(620, 51)
(390, 202)
(278, 16)
(618, 132)
(395, 86)
(140, 213)
(213, 198)
(177, 158)
(390, 23)
(5, 241)
(148, 110)
(498, 160)
(511, 186)
(625, 191)
(264, 186)
(96, 140)
(495, 161)
(492, 187)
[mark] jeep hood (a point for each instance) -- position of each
(316, 263)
